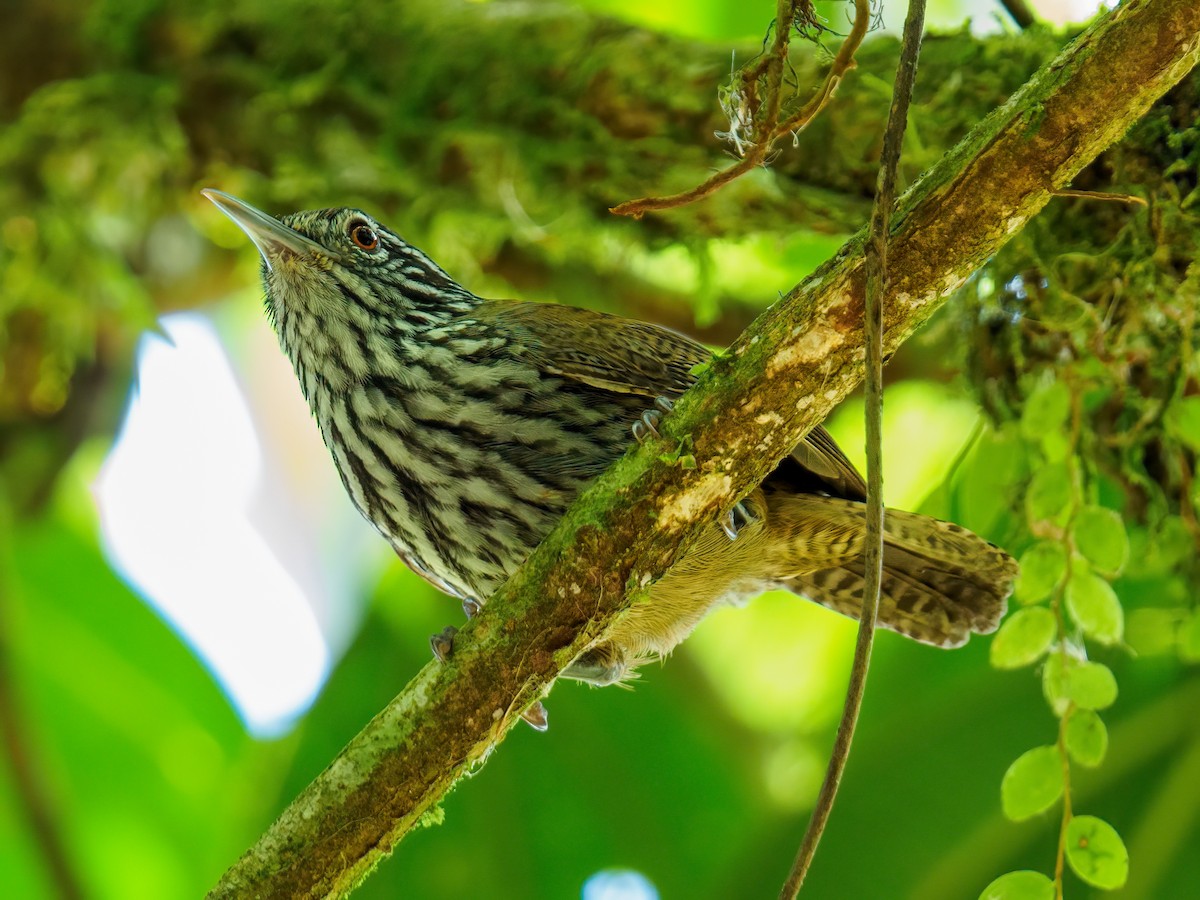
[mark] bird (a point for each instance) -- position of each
(463, 428)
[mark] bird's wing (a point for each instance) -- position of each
(820, 454)
(604, 351)
(631, 357)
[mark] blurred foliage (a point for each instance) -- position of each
(496, 135)
(1080, 346)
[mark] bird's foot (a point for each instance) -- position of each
(442, 645)
(647, 425)
(535, 717)
(600, 666)
(738, 518)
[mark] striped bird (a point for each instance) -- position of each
(463, 428)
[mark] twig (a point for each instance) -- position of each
(1020, 12)
(769, 129)
(842, 63)
(1057, 602)
(1102, 195)
(876, 264)
(1065, 821)
(762, 144)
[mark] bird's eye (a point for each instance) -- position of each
(363, 235)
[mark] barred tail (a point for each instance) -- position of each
(940, 582)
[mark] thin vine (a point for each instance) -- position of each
(876, 265)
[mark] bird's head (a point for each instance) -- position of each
(326, 264)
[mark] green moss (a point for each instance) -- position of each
(1103, 295)
(432, 817)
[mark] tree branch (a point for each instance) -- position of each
(780, 379)
(1020, 12)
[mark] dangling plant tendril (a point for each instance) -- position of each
(754, 104)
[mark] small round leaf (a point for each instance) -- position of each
(1023, 885)
(1091, 685)
(1093, 604)
(1097, 853)
(1023, 638)
(1046, 410)
(1054, 682)
(1100, 536)
(1050, 493)
(1032, 783)
(1087, 738)
(1056, 446)
(1042, 567)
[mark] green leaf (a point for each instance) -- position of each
(1091, 685)
(1056, 446)
(1183, 420)
(1054, 682)
(1097, 853)
(1100, 536)
(1046, 411)
(1024, 885)
(1032, 783)
(1042, 568)
(1086, 738)
(137, 778)
(1050, 493)
(1093, 604)
(1023, 638)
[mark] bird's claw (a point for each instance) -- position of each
(737, 519)
(647, 425)
(442, 643)
(535, 717)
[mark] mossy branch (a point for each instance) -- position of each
(782, 377)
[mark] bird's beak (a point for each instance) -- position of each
(270, 236)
